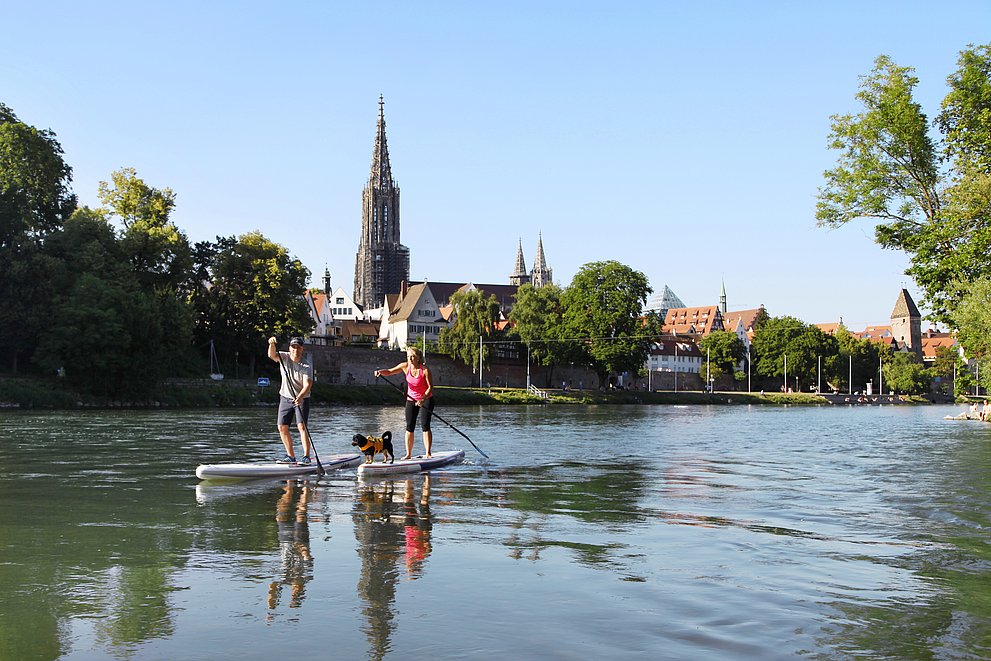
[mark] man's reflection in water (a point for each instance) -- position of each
(294, 544)
(392, 527)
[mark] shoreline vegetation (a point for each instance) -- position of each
(31, 394)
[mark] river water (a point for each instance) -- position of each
(650, 532)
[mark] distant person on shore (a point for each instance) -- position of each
(986, 411)
(419, 395)
(294, 396)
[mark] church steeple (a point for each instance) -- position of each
(519, 275)
(381, 174)
(382, 262)
(541, 275)
(722, 299)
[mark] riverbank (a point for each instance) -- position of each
(27, 393)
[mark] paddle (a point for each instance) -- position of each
(306, 430)
(438, 417)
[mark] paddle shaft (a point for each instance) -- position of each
(436, 415)
(302, 422)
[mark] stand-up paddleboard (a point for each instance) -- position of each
(273, 469)
(414, 465)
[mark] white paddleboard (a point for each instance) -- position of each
(414, 465)
(273, 469)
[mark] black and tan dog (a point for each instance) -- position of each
(373, 445)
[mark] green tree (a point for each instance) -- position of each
(159, 252)
(602, 313)
(972, 317)
(537, 323)
(805, 346)
(722, 352)
(107, 324)
(889, 171)
(254, 289)
(858, 360)
(904, 374)
(475, 328)
(35, 200)
(966, 109)
(946, 365)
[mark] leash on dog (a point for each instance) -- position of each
(306, 430)
(438, 417)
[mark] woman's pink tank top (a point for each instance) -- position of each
(416, 386)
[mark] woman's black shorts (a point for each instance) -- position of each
(412, 410)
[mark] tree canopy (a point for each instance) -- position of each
(250, 290)
(930, 196)
(35, 199)
(603, 315)
(476, 326)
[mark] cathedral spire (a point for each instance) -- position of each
(381, 174)
(382, 262)
(722, 298)
(519, 275)
(541, 275)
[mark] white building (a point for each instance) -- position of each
(410, 318)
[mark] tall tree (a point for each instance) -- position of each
(966, 109)
(889, 171)
(903, 373)
(803, 344)
(723, 352)
(858, 361)
(107, 322)
(972, 318)
(255, 290)
(536, 318)
(476, 327)
(159, 252)
(603, 317)
(35, 200)
(946, 368)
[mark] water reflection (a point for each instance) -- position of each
(743, 534)
(294, 544)
(392, 525)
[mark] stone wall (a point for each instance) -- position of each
(356, 365)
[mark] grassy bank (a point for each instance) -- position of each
(27, 393)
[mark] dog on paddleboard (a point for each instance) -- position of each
(373, 445)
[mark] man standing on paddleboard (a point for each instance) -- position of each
(419, 394)
(294, 396)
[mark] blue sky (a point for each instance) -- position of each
(686, 140)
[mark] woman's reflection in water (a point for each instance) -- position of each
(294, 544)
(417, 527)
(392, 528)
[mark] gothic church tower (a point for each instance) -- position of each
(540, 275)
(382, 263)
(519, 275)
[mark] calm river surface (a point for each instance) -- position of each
(652, 532)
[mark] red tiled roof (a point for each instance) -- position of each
(693, 321)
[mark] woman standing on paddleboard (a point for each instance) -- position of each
(419, 395)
